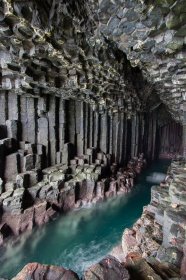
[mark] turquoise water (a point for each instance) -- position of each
(81, 237)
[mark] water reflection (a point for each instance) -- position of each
(82, 237)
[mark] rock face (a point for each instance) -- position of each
(73, 109)
(141, 269)
(85, 88)
(38, 271)
(160, 232)
(86, 180)
(66, 79)
(152, 35)
(135, 268)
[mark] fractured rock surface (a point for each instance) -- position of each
(30, 201)
(85, 87)
(37, 271)
(108, 268)
(160, 232)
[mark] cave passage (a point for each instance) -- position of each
(81, 237)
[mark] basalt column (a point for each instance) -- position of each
(171, 136)
(184, 133)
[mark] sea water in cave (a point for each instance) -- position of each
(81, 237)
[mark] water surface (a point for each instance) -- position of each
(81, 237)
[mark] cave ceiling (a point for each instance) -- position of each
(120, 55)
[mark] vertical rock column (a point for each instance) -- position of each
(121, 143)
(28, 119)
(150, 135)
(124, 145)
(3, 107)
(184, 130)
(86, 127)
(154, 128)
(115, 136)
(91, 127)
(13, 106)
(110, 117)
(103, 133)
(42, 136)
(133, 138)
(71, 120)
(52, 128)
(79, 128)
(96, 122)
(62, 122)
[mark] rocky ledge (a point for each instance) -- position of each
(135, 268)
(153, 249)
(159, 235)
(38, 271)
(30, 201)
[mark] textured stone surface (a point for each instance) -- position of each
(160, 232)
(151, 33)
(85, 87)
(37, 196)
(37, 271)
(67, 83)
(108, 268)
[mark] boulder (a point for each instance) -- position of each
(107, 269)
(139, 269)
(36, 271)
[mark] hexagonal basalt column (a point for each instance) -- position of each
(184, 130)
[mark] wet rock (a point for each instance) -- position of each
(160, 232)
(36, 197)
(117, 252)
(165, 270)
(108, 268)
(170, 255)
(40, 216)
(37, 271)
(139, 269)
(67, 198)
(129, 242)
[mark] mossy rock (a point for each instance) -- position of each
(165, 3)
(160, 3)
(179, 7)
(181, 31)
(176, 44)
(174, 22)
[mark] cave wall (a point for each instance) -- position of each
(42, 132)
(68, 81)
(170, 140)
(152, 34)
